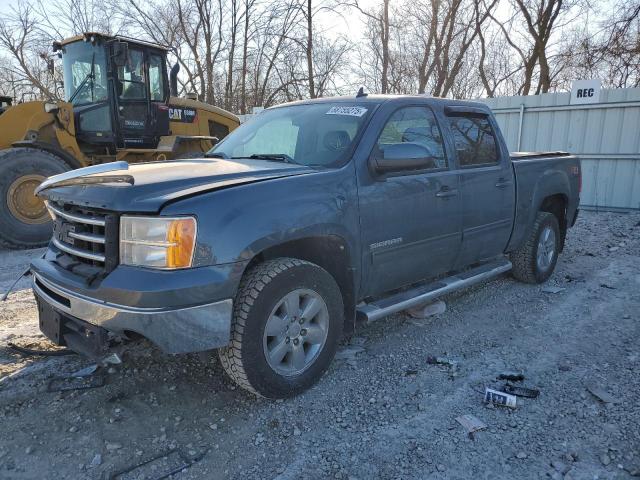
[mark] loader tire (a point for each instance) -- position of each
(536, 258)
(287, 321)
(24, 221)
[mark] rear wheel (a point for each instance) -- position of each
(536, 259)
(24, 221)
(288, 319)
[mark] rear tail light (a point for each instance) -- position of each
(575, 171)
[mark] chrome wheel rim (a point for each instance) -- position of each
(546, 248)
(296, 332)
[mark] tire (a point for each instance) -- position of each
(261, 298)
(544, 239)
(24, 224)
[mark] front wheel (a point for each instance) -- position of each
(536, 259)
(24, 221)
(288, 318)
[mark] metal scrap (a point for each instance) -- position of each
(27, 352)
(85, 378)
(452, 365)
(171, 462)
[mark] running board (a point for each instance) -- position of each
(423, 293)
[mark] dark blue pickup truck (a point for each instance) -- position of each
(309, 217)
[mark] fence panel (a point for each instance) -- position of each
(605, 135)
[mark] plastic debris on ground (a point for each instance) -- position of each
(471, 424)
(552, 289)
(85, 378)
(601, 394)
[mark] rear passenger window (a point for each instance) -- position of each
(415, 125)
(475, 141)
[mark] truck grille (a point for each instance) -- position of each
(88, 236)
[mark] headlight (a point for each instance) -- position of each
(157, 242)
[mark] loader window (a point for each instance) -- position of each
(131, 77)
(156, 78)
(85, 68)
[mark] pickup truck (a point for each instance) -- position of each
(309, 217)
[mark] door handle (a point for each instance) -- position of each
(502, 183)
(446, 192)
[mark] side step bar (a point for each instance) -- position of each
(401, 301)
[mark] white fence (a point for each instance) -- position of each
(605, 135)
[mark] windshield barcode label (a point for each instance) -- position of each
(351, 111)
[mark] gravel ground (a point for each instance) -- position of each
(381, 411)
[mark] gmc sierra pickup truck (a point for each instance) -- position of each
(305, 219)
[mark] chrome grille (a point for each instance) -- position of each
(84, 234)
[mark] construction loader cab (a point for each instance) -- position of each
(119, 91)
(120, 105)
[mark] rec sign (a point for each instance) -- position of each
(585, 91)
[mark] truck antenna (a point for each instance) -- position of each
(361, 93)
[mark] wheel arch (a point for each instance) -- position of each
(330, 252)
(556, 204)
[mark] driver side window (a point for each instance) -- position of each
(415, 125)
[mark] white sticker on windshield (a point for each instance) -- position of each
(351, 111)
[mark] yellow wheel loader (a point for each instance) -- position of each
(121, 104)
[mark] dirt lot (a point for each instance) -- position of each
(382, 411)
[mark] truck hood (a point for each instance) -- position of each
(154, 184)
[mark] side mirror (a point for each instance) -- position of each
(120, 53)
(400, 157)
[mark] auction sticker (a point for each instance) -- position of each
(350, 111)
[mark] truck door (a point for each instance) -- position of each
(409, 221)
(486, 186)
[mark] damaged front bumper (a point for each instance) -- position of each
(180, 330)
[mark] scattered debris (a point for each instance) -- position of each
(428, 310)
(112, 359)
(601, 394)
(97, 460)
(604, 285)
(410, 373)
(348, 352)
(521, 391)
(553, 289)
(28, 352)
(604, 458)
(85, 372)
(521, 455)
(511, 376)
(502, 399)
(471, 423)
(82, 379)
(453, 365)
(159, 467)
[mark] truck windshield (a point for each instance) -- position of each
(85, 73)
(320, 134)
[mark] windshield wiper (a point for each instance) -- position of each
(91, 75)
(277, 157)
(216, 155)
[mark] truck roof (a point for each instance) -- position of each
(379, 99)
